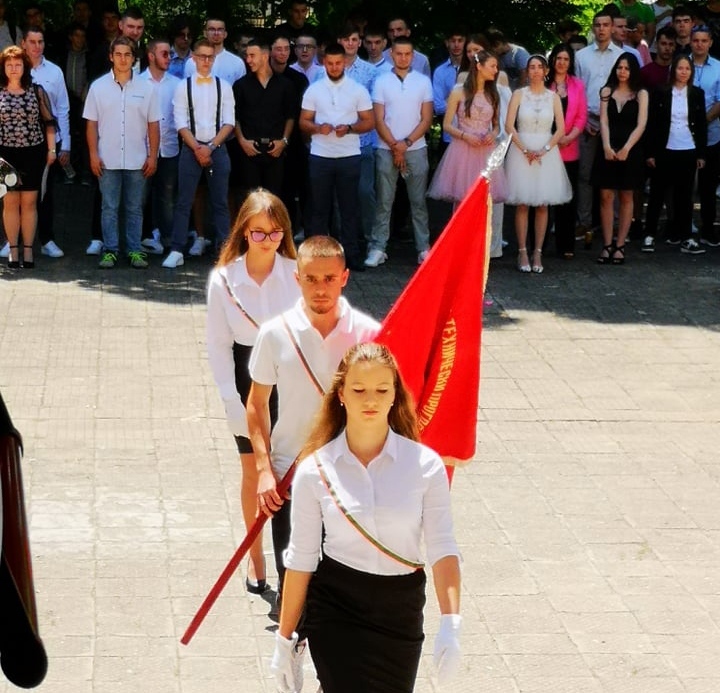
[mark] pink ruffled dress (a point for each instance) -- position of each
(462, 163)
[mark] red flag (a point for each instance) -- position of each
(434, 327)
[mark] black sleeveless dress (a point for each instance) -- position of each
(620, 175)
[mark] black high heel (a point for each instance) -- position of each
(606, 259)
(28, 264)
(619, 260)
(13, 264)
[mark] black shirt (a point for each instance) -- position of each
(263, 111)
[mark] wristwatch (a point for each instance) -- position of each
(408, 141)
(285, 141)
(547, 147)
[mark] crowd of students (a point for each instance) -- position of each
(336, 123)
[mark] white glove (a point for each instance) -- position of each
(446, 653)
(236, 416)
(287, 662)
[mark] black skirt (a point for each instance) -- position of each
(30, 164)
(365, 631)
(241, 358)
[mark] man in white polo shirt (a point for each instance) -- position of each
(403, 102)
(322, 327)
(123, 134)
(336, 110)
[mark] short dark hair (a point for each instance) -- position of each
(260, 42)
(180, 22)
(132, 12)
(682, 11)
(403, 41)
(668, 31)
(495, 36)
(76, 26)
(348, 29)
(334, 48)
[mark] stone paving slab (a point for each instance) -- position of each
(589, 521)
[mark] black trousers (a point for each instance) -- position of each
(708, 178)
(566, 215)
(673, 178)
(261, 171)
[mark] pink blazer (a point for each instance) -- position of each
(575, 117)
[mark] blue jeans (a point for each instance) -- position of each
(162, 191)
(366, 190)
(386, 175)
(122, 187)
(189, 172)
(331, 179)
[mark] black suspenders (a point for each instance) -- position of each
(191, 110)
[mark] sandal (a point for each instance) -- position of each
(537, 262)
(607, 258)
(523, 266)
(13, 264)
(618, 260)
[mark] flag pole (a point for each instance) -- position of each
(234, 562)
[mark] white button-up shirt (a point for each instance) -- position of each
(226, 65)
(226, 324)
(274, 361)
(50, 77)
(122, 114)
(169, 145)
(401, 498)
(204, 97)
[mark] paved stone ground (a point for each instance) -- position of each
(589, 521)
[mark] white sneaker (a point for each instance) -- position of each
(153, 245)
(197, 248)
(423, 256)
(51, 249)
(5, 250)
(95, 247)
(375, 257)
(173, 260)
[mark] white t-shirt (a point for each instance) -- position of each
(274, 361)
(226, 65)
(401, 498)
(403, 100)
(336, 103)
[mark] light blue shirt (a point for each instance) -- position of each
(165, 90)
(50, 77)
(443, 81)
(707, 77)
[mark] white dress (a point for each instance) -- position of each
(543, 182)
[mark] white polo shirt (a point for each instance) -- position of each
(336, 103)
(226, 65)
(169, 145)
(226, 323)
(122, 115)
(403, 100)
(274, 361)
(402, 498)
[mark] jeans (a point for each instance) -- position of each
(189, 172)
(122, 187)
(331, 179)
(386, 176)
(161, 192)
(366, 191)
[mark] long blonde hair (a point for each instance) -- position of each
(259, 201)
(331, 418)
